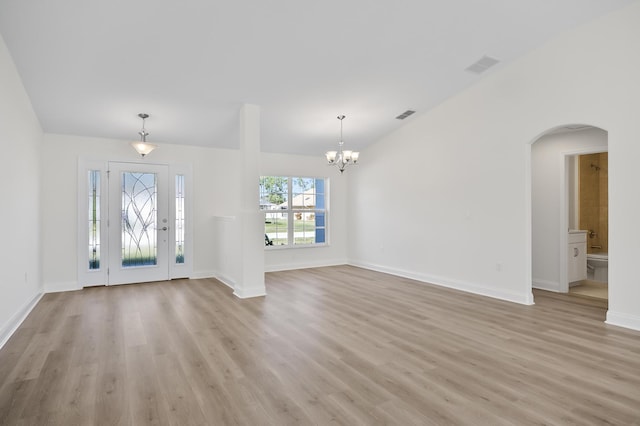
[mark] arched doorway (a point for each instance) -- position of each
(555, 205)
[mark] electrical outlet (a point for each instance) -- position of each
(499, 266)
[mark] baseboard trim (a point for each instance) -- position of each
(61, 286)
(220, 277)
(203, 274)
(521, 298)
(18, 318)
(623, 320)
(546, 285)
(226, 281)
(305, 265)
(247, 294)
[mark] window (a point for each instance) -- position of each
(295, 212)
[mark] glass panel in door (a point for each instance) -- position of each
(139, 218)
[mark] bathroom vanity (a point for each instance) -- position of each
(577, 256)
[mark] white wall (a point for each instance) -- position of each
(548, 174)
(20, 141)
(447, 198)
(335, 253)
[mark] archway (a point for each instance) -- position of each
(552, 156)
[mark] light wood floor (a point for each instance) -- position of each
(326, 346)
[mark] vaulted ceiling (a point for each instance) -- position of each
(91, 66)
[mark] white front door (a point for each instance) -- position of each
(139, 226)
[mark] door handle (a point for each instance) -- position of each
(164, 228)
(575, 251)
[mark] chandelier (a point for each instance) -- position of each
(142, 146)
(341, 158)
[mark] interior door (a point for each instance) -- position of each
(138, 223)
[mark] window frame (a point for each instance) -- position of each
(290, 213)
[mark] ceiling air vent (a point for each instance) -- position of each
(405, 114)
(482, 64)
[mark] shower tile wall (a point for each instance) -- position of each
(594, 200)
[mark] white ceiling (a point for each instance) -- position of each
(90, 66)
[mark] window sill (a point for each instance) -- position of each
(294, 247)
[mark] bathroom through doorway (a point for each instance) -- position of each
(559, 244)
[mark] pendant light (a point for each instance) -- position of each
(142, 146)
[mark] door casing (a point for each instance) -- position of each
(101, 276)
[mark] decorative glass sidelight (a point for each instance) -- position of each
(139, 218)
(94, 219)
(180, 217)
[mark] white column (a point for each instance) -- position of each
(251, 280)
